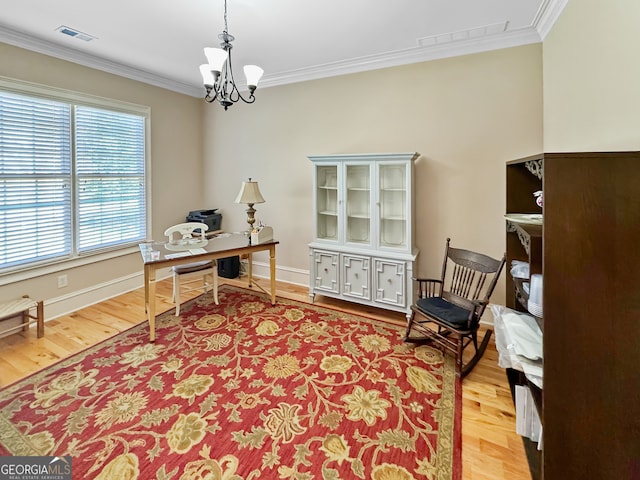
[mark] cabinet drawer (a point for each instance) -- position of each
(390, 282)
(355, 276)
(325, 271)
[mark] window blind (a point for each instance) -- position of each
(72, 179)
(35, 180)
(110, 178)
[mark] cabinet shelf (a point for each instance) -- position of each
(526, 233)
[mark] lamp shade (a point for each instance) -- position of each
(207, 74)
(216, 58)
(253, 74)
(249, 193)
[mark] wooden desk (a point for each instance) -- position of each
(156, 255)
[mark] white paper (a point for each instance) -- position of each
(177, 255)
(527, 419)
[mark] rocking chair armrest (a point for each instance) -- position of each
(479, 303)
(478, 308)
(428, 287)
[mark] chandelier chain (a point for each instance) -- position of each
(226, 29)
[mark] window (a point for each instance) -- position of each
(72, 179)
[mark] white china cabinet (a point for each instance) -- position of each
(363, 248)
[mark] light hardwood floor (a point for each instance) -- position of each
(491, 450)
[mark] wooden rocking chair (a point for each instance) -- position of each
(448, 314)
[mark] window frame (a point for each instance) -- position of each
(20, 87)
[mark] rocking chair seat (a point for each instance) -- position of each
(444, 311)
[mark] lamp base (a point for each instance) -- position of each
(251, 219)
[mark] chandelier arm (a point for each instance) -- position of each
(235, 94)
(208, 98)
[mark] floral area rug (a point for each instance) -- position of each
(244, 390)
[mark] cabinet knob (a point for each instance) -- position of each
(356, 275)
(326, 270)
(389, 281)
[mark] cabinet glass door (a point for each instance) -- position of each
(327, 202)
(358, 197)
(392, 197)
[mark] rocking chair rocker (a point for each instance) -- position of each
(448, 314)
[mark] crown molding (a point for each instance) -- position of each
(547, 16)
(407, 56)
(544, 20)
(19, 39)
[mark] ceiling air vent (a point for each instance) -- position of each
(470, 34)
(72, 32)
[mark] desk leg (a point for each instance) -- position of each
(272, 271)
(40, 315)
(146, 288)
(150, 299)
(250, 268)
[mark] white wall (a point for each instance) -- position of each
(592, 78)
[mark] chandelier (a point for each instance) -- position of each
(217, 74)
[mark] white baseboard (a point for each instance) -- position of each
(283, 274)
(73, 301)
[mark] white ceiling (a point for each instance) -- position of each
(160, 41)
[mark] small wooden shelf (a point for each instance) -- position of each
(524, 243)
(527, 233)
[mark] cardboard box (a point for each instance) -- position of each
(265, 234)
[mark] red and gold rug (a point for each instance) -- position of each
(245, 390)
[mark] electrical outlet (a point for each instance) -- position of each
(63, 281)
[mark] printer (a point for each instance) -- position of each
(208, 217)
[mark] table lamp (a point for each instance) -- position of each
(250, 195)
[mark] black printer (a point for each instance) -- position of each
(208, 217)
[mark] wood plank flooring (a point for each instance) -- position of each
(491, 450)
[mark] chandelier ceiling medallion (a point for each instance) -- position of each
(217, 74)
